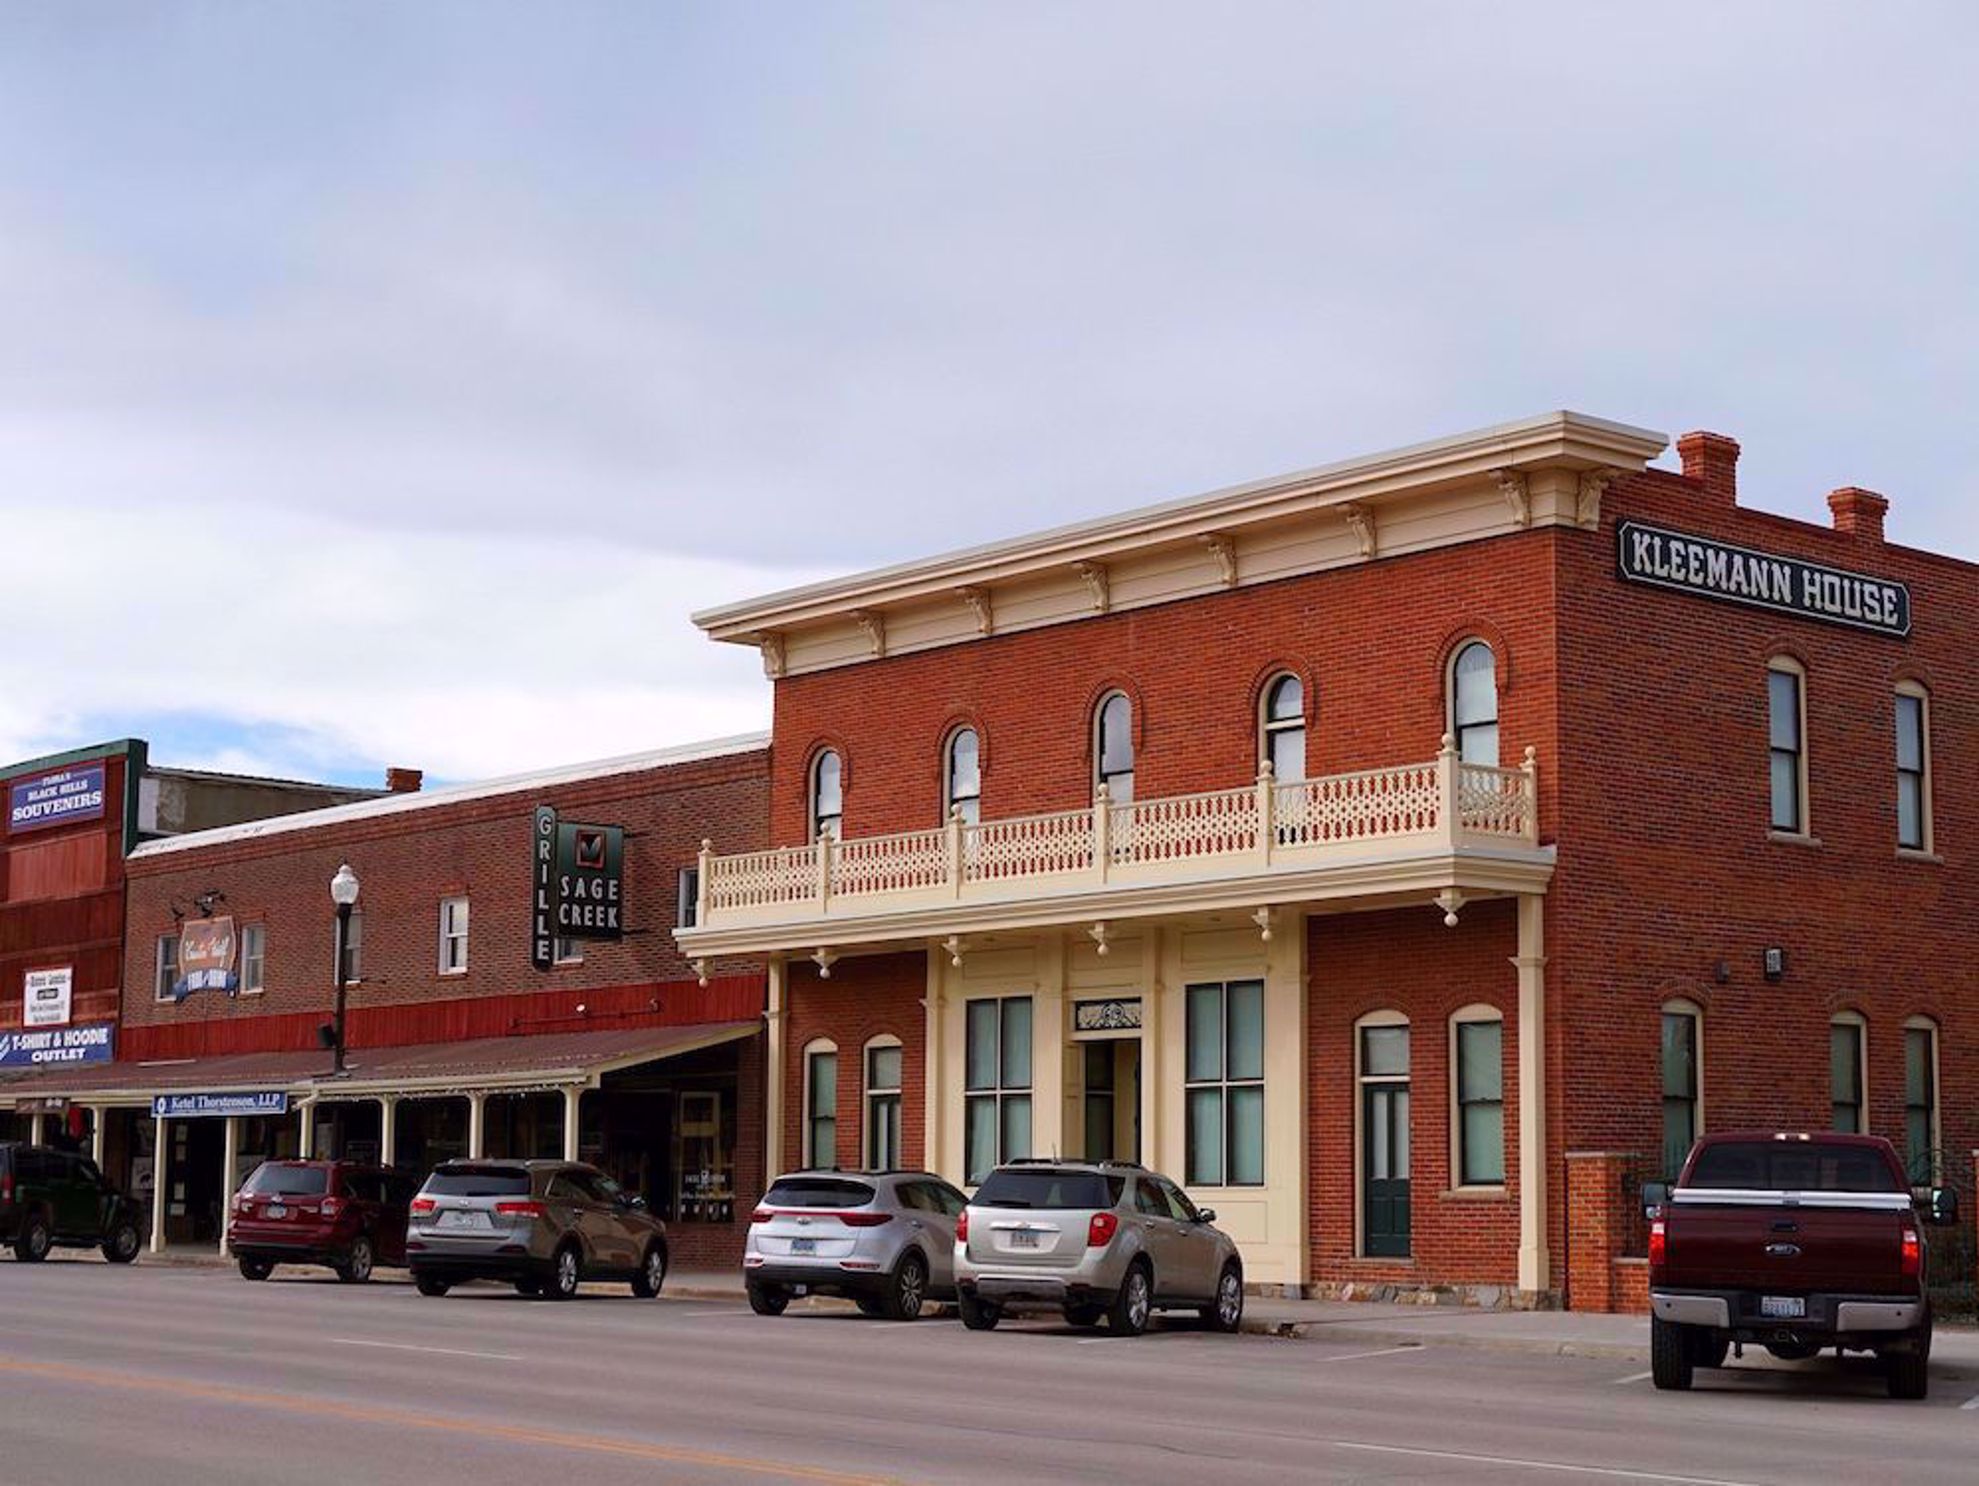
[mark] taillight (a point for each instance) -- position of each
(520, 1209)
(761, 1215)
(6, 1186)
(241, 1203)
(1913, 1254)
(863, 1220)
(1100, 1231)
(1659, 1242)
(330, 1207)
(962, 1227)
(423, 1204)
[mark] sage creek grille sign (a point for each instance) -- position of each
(1764, 580)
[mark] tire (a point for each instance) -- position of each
(123, 1243)
(1709, 1350)
(870, 1305)
(1227, 1312)
(652, 1272)
(355, 1267)
(768, 1300)
(1134, 1305)
(431, 1284)
(978, 1315)
(254, 1269)
(529, 1288)
(566, 1274)
(1085, 1315)
(906, 1288)
(1669, 1355)
(31, 1245)
(1908, 1374)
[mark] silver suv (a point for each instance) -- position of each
(883, 1239)
(544, 1226)
(1096, 1240)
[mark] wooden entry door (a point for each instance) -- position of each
(1385, 1169)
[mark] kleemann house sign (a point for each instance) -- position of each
(1763, 580)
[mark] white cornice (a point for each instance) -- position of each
(1572, 441)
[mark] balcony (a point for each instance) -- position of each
(1443, 831)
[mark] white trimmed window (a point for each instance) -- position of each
(1224, 1084)
(568, 951)
(1113, 747)
(1284, 728)
(1786, 738)
(1920, 1100)
(687, 898)
(1683, 1082)
(883, 1084)
(821, 1104)
(166, 967)
(1477, 1092)
(1848, 1036)
(1474, 703)
(996, 1097)
(453, 936)
(827, 795)
(254, 959)
(1913, 767)
(962, 776)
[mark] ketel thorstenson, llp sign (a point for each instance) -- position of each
(1739, 575)
(580, 884)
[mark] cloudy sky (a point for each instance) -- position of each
(386, 383)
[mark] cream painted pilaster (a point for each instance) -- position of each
(774, 1056)
(97, 1115)
(1287, 1095)
(1048, 1051)
(161, 1180)
(230, 1144)
(1162, 1051)
(388, 1130)
(1535, 1264)
(934, 1097)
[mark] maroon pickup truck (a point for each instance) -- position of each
(1794, 1243)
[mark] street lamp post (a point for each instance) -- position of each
(343, 892)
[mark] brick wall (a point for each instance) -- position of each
(865, 998)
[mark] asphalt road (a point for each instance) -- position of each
(155, 1376)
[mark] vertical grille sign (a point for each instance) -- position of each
(543, 914)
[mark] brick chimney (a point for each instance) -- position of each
(1858, 512)
(1712, 460)
(404, 781)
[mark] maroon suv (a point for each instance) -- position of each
(343, 1214)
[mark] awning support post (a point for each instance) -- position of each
(230, 1146)
(305, 1141)
(161, 1180)
(36, 1129)
(773, 1073)
(572, 1097)
(388, 1142)
(476, 1125)
(98, 1115)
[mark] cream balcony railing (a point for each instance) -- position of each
(1266, 827)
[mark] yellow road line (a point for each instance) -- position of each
(365, 1414)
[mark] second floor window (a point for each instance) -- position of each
(1680, 1085)
(1474, 704)
(168, 966)
(827, 795)
(1913, 771)
(254, 959)
(963, 773)
(1786, 730)
(453, 936)
(1113, 747)
(687, 898)
(1285, 728)
(1845, 1073)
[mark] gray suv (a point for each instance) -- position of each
(883, 1239)
(544, 1226)
(1097, 1240)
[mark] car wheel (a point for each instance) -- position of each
(32, 1243)
(356, 1267)
(431, 1284)
(1669, 1355)
(531, 1288)
(907, 1290)
(255, 1269)
(1227, 1314)
(768, 1300)
(1131, 1308)
(979, 1315)
(652, 1273)
(122, 1245)
(1908, 1374)
(1085, 1315)
(566, 1273)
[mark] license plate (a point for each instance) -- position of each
(1023, 1239)
(457, 1218)
(803, 1246)
(1784, 1307)
(274, 1210)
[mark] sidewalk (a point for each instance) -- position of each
(1363, 1322)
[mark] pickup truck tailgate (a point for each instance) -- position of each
(1785, 1247)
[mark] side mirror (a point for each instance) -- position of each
(1205, 1215)
(634, 1201)
(1941, 1206)
(1654, 1195)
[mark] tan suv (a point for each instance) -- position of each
(543, 1226)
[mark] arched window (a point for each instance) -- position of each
(883, 1085)
(1847, 1033)
(1786, 736)
(1114, 747)
(821, 1103)
(1477, 1089)
(1381, 1067)
(1474, 703)
(1683, 1083)
(1285, 728)
(1913, 767)
(962, 775)
(827, 795)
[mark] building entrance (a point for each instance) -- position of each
(1112, 1099)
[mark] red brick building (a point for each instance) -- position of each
(456, 1041)
(1410, 854)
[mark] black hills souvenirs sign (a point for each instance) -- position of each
(1764, 580)
(579, 884)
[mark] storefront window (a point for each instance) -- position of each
(997, 1102)
(1225, 1078)
(706, 1160)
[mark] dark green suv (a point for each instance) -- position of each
(50, 1197)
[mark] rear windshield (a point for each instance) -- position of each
(1791, 1166)
(478, 1181)
(818, 1191)
(1047, 1188)
(289, 1181)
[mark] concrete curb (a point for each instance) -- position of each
(1383, 1336)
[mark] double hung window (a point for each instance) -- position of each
(1224, 1078)
(996, 1114)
